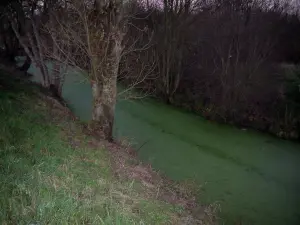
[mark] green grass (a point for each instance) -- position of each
(47, 180)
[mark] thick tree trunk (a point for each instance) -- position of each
(105, 89)
(104, 101)
(104, 63)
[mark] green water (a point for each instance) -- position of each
(255, 177)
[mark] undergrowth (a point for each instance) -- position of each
(47, 180)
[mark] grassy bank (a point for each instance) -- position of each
(53, 173)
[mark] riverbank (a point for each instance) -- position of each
(52, 172)
(253, 176)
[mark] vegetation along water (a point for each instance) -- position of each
(234, 63)
(253, 176)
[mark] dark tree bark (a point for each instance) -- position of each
(10, 47)
(104, 101)
(104, 79)
(57, 79)
(26, 65)
(105, 90)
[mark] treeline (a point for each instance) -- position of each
(232, 61)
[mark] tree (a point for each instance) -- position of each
(88, 36)
(9, 41)
(26, 19)
(169, 22)
(170, 46)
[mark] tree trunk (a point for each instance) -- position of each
(26, 64)
(57, 79)
(105, 89)
(44, 73)
(104, 101)
(10, 49)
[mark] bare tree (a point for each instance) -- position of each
(176, 15)
(9, 42)
(138, 68)
(27, 22)
(169, 20)
(88, 36)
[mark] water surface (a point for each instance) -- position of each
(254, 176)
